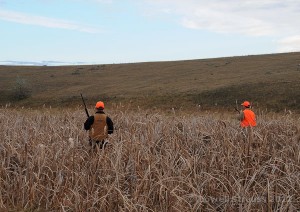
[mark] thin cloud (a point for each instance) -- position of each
(289, 44)
(249, 17)
(279, 19)
(23, 18)
(103, 1)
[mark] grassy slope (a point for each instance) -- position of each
(271, 81)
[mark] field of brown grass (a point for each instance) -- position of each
(157, 161)
(269, 81)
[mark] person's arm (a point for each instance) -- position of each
(110, 125)
(88, 123)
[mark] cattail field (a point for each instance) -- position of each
(156, 161)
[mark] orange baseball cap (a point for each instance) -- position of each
(246, 104)
(99, 105)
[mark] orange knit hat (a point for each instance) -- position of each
(99, 105)
(246, 104)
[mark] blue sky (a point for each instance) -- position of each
(115, 31)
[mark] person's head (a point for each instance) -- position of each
(246, 104)
(99, 105)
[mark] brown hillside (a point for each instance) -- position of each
(270, 81)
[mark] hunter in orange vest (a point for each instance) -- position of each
(247, 116)
(99, 126)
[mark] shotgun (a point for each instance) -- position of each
(236, 106)
(86, 111)
(237, 110)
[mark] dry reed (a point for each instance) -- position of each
(156, 162)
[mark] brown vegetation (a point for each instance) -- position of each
(156, 162)
(270, 81)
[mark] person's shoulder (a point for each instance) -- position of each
(90, 117)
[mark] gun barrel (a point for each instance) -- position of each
(237, 110)
(86, 110)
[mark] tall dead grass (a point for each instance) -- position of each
(156, 162)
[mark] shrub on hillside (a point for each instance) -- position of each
(21, 89)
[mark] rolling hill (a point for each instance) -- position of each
(269, 81)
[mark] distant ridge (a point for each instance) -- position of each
(268, 81)
(42, 63)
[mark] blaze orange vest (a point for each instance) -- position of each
(98, 130)
(249, 118)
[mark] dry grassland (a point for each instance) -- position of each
(156, 162)
(269, 81)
